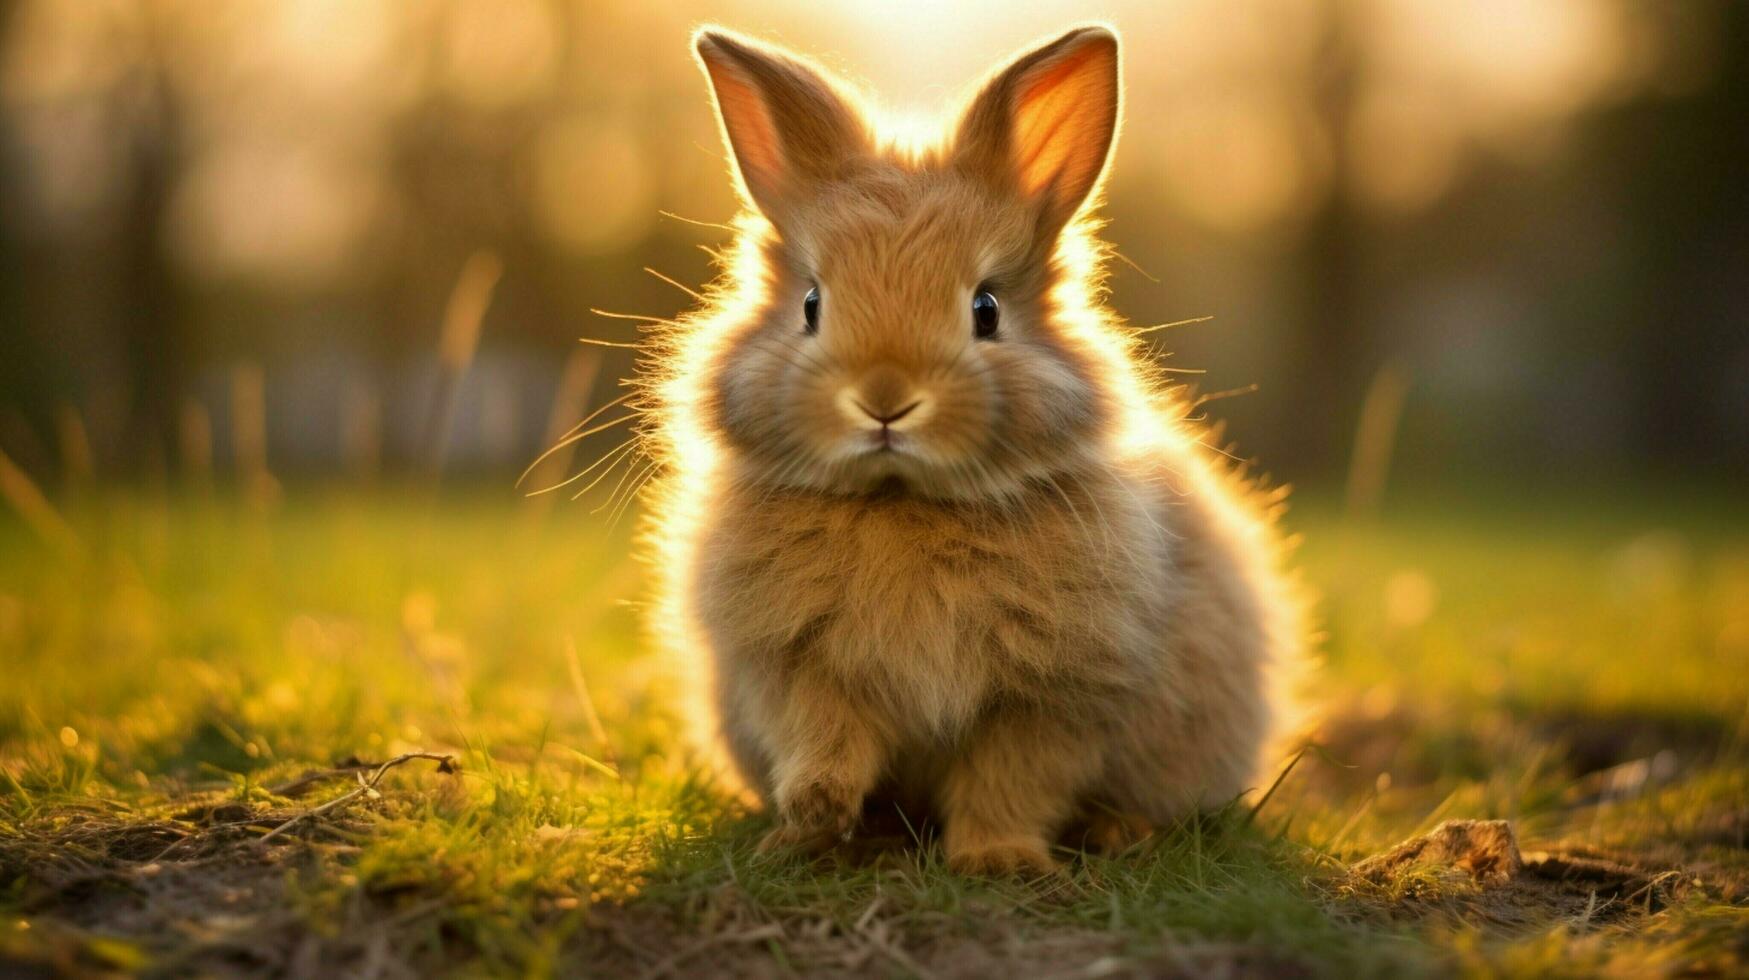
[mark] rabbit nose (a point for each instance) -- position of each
(889, 419)
(883, 390)
(884, 397)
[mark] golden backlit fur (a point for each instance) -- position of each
(1031, 599)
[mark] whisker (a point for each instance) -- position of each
(800, 363)
(1105, 524)
(631, 494)
(634, 316)
(1142, 507)
(611, 497)
(793, 462)
(814, 358)
(695, 221)
(625, 449)
(1223, 452)
(592, 416)
(1169, 326)
(586, 470)
(1126, 260)
(956, 360)
(604, 426)
(1215, 396)
(1051, 482)
(571, 436)
(675, 283)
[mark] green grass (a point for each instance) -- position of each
(1580, 669)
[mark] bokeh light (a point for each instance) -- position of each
(320, 171)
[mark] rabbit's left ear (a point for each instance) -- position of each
(790, 130)
(1043, 126)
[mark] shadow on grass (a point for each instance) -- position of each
(1420, 746)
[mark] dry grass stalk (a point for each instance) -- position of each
(194, 431)
(578, 686)
(462, 319)
(36, 511)
(361, 430)
(76, 455)
(249, 435)
(1375, 437)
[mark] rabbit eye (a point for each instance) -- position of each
(985, 314)
(811, 310)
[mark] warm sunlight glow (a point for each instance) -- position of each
(759, 487)
(592, 151)
(1230, 128)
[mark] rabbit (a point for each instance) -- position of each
(931, 530)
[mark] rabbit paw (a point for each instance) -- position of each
(787, 837)
(1112, 833)
(1016, 855)
(813, 818)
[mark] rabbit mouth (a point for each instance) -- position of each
(882, 456)
(896, 462)
(882, 443)
(899, 470)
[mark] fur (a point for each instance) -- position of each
(1036, 600)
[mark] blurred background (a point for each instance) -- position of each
(1489, 241)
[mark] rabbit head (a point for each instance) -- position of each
(903, 324)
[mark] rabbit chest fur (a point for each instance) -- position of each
(929, 614)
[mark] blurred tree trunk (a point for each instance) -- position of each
(1687, 336)
(1326, 375)
(21, 377)
(152, 317)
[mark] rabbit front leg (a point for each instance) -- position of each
(1013, 784)
(826, 758)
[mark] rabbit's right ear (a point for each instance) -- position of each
(1043, 126)
(784, 123)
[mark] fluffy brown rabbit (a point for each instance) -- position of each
(932, 528)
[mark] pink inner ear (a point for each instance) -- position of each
(1059, 124)
(751, 131)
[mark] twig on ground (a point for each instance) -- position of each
(366, 787)
(314, 777)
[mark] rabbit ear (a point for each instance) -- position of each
(1043, 126)
(786, 126)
